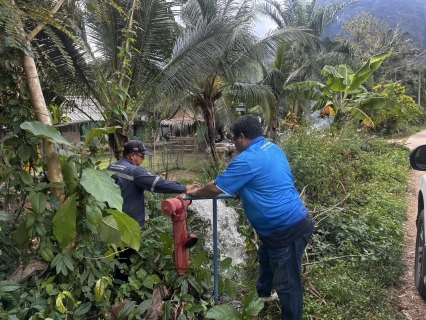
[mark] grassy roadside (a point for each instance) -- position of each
(355, 189)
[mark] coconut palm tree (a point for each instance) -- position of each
(130, 43)
(295, 62)
(30, 43)
(216, 60)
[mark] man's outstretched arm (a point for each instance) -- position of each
(209, 190)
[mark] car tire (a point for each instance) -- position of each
(419, 267)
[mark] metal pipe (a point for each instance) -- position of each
(215, 254)
(215, 248)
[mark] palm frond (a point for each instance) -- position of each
(323, 16)
(274, 11)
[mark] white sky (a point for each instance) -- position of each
(262, 26)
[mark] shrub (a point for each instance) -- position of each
(388, 122)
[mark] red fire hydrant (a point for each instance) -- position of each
(175, 208)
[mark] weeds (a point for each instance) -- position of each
(355, 191)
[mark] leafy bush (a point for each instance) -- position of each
(389, 122)
(354, 186)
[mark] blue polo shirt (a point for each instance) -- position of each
(262, 177)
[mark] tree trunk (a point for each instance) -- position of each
(42, 115)
(208, 113)
(420, 86)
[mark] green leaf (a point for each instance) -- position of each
(252, 305)
(20, 236)
(129, 228)
(313, 95)
(141, 273)
(148, 283)
(6, 174)
(108, 230)
(167, 309)
(9, 286)
(49, 288)
(68, 261)
(223, 311)
(230, 289)
(69, 172)
(167, 239)
(42, 130)
(367, 69)
(26, 177)
(144, 305)
(195, 284)
(98, 132)
(225, 264)
(93, 214)
(40, 229)
(303, 85)
(252, 309)
(196, 308)
(38, 202)
(82, 309)
(187, 298)
(184, 287)
(64, 221)
(371, 101)
(100, 289)
(199, 259)
(59, 304)
(100, 185)
(331, 72)
(24, 152)
(126, 310)
(156, 279)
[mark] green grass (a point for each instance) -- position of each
(355, 191)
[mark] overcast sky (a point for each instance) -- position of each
(263, 26)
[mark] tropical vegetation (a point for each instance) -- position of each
(61, 219)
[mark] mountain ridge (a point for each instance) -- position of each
(406, 15)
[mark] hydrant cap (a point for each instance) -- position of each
(169, 206)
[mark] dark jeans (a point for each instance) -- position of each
(281, 269)
(124, 257)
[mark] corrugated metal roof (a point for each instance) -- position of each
(84, 111)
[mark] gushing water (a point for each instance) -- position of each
(230, 242)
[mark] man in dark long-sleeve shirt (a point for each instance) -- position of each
(134, 180)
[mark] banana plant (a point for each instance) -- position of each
(344, 94)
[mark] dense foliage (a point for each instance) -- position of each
(60, 235)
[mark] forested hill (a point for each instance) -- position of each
(410, 15)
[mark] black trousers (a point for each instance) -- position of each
(124, 257)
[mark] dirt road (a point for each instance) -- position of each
(411, 303)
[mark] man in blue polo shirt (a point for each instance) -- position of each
(262, 177)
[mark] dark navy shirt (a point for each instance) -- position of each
(262, 177)
(133, 191)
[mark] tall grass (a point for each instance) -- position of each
(354, 187)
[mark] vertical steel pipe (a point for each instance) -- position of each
(215, 241)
